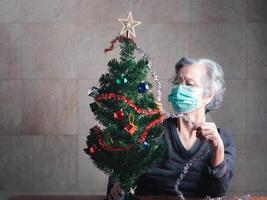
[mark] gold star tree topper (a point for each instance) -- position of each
(128, 25)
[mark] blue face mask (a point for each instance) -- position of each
(183, 98)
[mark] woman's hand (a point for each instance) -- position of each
(116, 192)
(207, 131)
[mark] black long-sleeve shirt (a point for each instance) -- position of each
(201, 180)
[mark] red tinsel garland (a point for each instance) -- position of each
(149, 126)
(142, 137)
(97, 130)
(128, 102)
(114, 41)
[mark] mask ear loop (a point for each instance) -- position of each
(206, 109)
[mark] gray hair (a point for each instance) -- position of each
(214, 81)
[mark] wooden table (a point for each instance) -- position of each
(83, 197)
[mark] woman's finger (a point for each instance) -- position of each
(210, 137)
(208, 125)
(212, 140)
(201, 133)
(208, 132)
(114, 194)
(205, 135)
(118, 189)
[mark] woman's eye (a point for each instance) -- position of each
(189, 83)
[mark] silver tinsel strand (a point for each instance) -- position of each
(152, 72)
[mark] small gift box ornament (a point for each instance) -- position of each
(131, 128)
(93, 92)
(158, 106)
(95, 129)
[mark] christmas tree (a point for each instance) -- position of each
(128, 141)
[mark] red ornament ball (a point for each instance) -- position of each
(92, 151)
(118, 115)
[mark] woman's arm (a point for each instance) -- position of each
(221, 174)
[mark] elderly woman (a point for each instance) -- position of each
(198, 89)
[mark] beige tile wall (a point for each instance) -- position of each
(51, 53)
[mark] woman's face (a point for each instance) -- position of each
(194, 75)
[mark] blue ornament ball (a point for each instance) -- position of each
(143, 87)
(146, 145)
